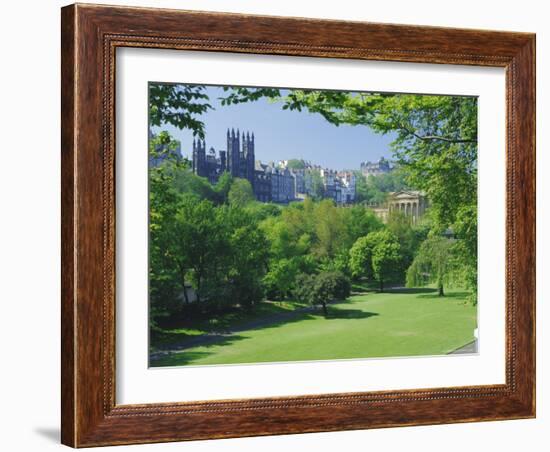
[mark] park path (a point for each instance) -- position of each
(219, 336)
(213, 338)
(466, 349)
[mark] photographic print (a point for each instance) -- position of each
(292, 224)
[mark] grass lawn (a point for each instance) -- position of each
(397, 323)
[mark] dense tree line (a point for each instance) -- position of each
(435, 144)
(214, 247)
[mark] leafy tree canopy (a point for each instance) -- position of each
(433, 263)
(296, 164)
(179, 105)
(241, 193)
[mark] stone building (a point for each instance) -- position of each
(269, 183)
(410, 202)
(348, 183)
(376, 168)
(283, 188)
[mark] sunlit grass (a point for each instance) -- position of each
(400, 323)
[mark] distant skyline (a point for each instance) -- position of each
(284, 134)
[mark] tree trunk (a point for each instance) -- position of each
(441, 293)
(185, 296)
(198, 291)
(325, 311)
(381, 285)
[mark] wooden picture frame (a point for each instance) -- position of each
(90, 36)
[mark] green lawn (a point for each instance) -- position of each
(400, 323)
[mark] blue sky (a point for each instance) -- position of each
(283, 134)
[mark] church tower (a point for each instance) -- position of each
(199, 157)
(250, 158)
(233, 152)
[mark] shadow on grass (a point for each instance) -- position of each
(176, 359)
(349, 314)
(447, 296)
(226, 338)
(412, 290)
(178, 356)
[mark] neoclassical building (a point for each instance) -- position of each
(410, 202)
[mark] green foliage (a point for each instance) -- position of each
(329, 229)
(322, 288)
(434, 143)
(410, 237)
(247, 250)
(296, 164)
(219, 250)
(386, 259)
(280, 279)
(261, 211)
(465, 249)
(187, 182)
(179, 105)
(434, 263)
(164, 276)
(317, 191)
(374, 189)
(360, 262)
(358, 222)
(198, 244)
(376, 256)
(223, 186)
(162, 147)
(240, 194)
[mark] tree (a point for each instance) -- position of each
(409, 236)
(222, 187)
(240, 193)
(163, 147)
(317, 189)
(329, 229)
(432, 264)
(247, 251)
(199, 245)
(362, 194)
(178, 105)
(279, 280)
(358, 222)
(187, 182)
(465, 248)
(376, 256)
(296, 164)
(321, 289)
(386, 260)
(164, 279)
(360, 261)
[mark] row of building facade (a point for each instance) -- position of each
(276, 182)
(270, 182)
